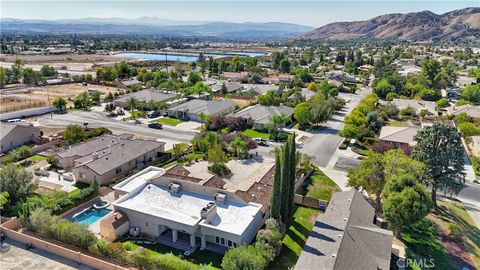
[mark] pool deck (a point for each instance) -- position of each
(94, 227)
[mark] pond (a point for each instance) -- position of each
(181, 57)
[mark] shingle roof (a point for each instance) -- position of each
(6, 128)
(399, 134)
(418, 105)
(208, 107)
(470, 110)
(263, 114)
(147, 95)
(345, 238)
(117, 154)
(90, 146)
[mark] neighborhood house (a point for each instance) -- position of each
(192, 109)
(108, 157)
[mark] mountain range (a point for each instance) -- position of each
(156, 26)
(418, 26)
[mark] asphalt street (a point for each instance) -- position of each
(325, 140)
(99, 119)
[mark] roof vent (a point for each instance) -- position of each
(345, 219)
(334, 255)
(174, 188)
(340, 235)
(219, 197)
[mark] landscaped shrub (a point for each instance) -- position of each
(259, 255)
(145, 261)
(244, 257)
(219, 169)
(49, 226)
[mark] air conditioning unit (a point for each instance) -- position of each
(220, 197)
(208, 212)
(174, 188)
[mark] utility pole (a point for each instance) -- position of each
(49, 103)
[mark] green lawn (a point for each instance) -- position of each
(319, 186)
(168, 121)
(398, 123)
(256, 134)
(423, 238)
(36, 158)
(198, 257)
(295, 238)
(360, 149)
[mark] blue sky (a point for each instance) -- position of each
(314, 13)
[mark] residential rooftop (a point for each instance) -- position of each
(345, 238)
(208, 107)
(185, 206)
(148, 94)
(263, 114)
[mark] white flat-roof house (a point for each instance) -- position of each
(190, 208)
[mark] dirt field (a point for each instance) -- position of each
(64, 58)
(34, 97)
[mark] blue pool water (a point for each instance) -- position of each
(90, 216)
(178, 57)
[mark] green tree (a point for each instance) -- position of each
(74, 134)
(440, 148)
(284, 66)
(374, 121)
(239, 147)
(370, 175)
(3, 199)
(194, 77)
(243, 257)
(302, 114)
(276, 196)
(3, 77)
(471, 93)
(17, 182)
(21, 152)
(407, 203)
(350, 131)
(383, 87)
(132, 104)
(442, 103)
(468, 130)
(204, 119)
(60, 103)
(95, 97)
(216, 155)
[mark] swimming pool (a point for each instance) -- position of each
(90, 216)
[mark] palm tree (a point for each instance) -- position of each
(152, 105)
(279, 120)
(239, 146)
(132, 104)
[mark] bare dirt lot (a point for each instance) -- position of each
(64, 58)
(34, 97)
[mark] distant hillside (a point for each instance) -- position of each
(156, 26)
(418, 26)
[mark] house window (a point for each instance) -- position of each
(82, 175)
(146, 223)
(222, 241)
(118, 170)
(217, 240)
(229, 243)
(234, 244)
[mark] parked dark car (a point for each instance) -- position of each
(155, 114)
(261, 142)
(155, 125)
